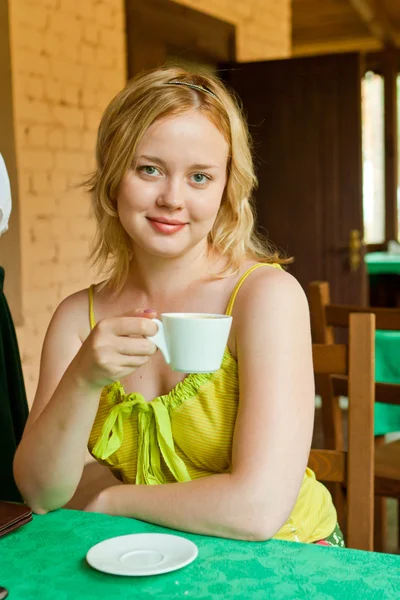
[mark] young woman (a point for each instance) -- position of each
(172, 200)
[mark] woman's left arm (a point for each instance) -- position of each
(273, 429)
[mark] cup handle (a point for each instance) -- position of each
(159, 340)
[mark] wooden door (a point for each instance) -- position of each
(305, 120)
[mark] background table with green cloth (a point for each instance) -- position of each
(387, 370)
(45, 560)
(387, 347)
(379, 263)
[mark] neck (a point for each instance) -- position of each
(157, 277)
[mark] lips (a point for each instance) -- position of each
(166, 226)
(166, 221)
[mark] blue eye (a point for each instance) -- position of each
(200, 178)
(149, 170)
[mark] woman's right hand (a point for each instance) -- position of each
(50, 459)
(115, 348)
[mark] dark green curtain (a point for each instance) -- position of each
(13, 404)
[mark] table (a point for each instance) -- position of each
(384, 278)
(387, 370)
(382, 263)
(45, 560)
(387, 343)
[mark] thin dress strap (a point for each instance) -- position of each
(232, 299)
(92, 319)
(240, 282)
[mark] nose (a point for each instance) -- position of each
(171, 196)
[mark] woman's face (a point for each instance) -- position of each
(168, 201)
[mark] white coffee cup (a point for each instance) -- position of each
(192, 342)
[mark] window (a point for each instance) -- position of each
(373, 158)
(398, 155)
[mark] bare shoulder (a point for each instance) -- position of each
(270, 288)
(68, 329)
(72, 315)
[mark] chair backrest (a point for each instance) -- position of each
(326, 316)
(355, 468)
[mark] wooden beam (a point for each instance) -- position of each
(376, 19)
(312, 48)
(374, 61)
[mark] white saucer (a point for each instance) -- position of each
(141, 554)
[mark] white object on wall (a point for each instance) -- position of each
(5, 197)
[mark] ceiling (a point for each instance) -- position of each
(323, 26)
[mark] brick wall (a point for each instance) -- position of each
(68, 60)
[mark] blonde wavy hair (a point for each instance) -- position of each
(146, 99)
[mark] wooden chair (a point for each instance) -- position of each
(324, 318)
(353, 469)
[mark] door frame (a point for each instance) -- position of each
(159, 29)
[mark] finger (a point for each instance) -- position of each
(149, 313)
(133, 362)
(136, 312)
(131, 326)
(119, 365)
(139, 346)
(140, 312)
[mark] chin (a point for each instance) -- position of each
(166, 252)
(167, 246)
(163, 250)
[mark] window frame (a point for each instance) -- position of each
(387, 64)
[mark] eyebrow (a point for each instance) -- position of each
(160, 161)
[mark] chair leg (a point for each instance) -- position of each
(380, 524)
(380, 513)
(331, 421)
(339, 499)
(338, 494)
(398, 526)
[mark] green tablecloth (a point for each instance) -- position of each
(45, 560)
(382, 262)
(387, 370)
(387, 347)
